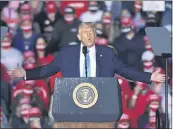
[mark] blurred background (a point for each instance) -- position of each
(39, 29)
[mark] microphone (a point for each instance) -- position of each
(84, 50)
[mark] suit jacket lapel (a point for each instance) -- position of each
(97, 62)
(78, 61)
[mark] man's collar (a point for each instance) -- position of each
(91, 49)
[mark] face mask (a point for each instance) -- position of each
(69, 19)
(148, 64)
(138, 7)
(126, 25)
(26, 28)
(5, 45)
(154, 107)
(40, 47)
(126, 30)
(29, 61)
(93, 8)
(123, 126)
(149, 48)
(107, 20)
(12, 25)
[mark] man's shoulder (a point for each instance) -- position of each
(105, 49)
(69, 48)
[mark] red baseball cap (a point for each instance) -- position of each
(51, 7)
(25, 8)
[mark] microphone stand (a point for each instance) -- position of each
(85, 52)
(166, 56)
(86, 66)
(158, 120)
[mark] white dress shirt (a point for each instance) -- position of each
(92, 55)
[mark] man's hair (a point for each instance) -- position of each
(89, 24)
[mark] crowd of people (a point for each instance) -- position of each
(39, 29)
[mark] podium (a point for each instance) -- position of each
(86, 102)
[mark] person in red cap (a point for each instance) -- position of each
(26, 9)
(42, 90)
(65, 27)
(138, 102)
(79, 6)
(26, 37)
(19, 104)
(159, 89)
(129, 44)
(148, 59)
(124, 122)
(48, 18)
(154, 102)
(29, 60)
(126, 92)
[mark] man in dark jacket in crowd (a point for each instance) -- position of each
(5, 95)
(65, 31)
(129, 45)
(5, 101)
(48, 18)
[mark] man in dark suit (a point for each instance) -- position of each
(101, 62)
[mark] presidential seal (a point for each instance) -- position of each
(85, 95)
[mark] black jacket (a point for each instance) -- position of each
(5, 97)
(63, 35)
(130, 51)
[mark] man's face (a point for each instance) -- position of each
(87, 36)
(6, 42)
(69, 17)
(26, 26)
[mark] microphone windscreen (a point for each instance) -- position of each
(84, 50)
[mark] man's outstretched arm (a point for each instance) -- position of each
(38, 72)
(133, 74)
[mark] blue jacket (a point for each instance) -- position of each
(23, 44)
(67, 62)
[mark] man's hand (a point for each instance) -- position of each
(17, 73)
(157, 77)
